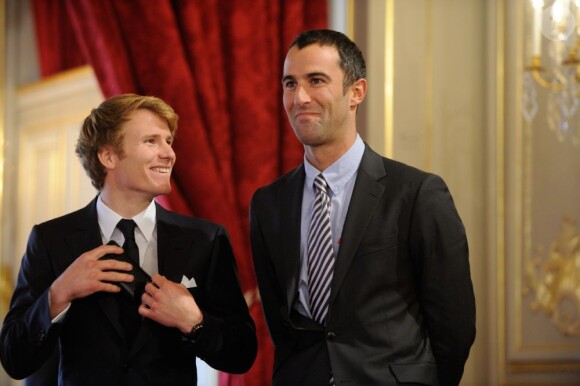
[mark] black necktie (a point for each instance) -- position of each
(127, 227)
(130, 318)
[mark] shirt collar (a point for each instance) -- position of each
(340, 171)
(108, 220)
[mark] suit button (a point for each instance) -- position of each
(330, 335)
(126, 366)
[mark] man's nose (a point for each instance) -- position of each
(301, 95)
(167, 152)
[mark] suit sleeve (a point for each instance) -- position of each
(28, 337)
(269, 289)
(439, 249)
(228, 340)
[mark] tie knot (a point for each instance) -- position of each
(127, 227)
(320, 184)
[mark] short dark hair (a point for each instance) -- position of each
(103, 127)
(352, 61)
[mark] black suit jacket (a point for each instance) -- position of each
(92, 341)
(402, 308)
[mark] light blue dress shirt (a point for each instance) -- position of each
(340, 176)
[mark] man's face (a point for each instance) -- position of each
(144, 167)
(318, 109)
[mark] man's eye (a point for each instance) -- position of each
(316, 81)
(289, 85)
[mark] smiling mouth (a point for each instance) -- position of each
(162, 170)
(306, 114)
(306, 117)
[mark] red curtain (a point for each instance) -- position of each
(57, 44)
(219, 64)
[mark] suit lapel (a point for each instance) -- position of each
(366, 195)
(86, 234)
(290, 216)
(172, 245)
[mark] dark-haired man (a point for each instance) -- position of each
(362, 261)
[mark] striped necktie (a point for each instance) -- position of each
(320, 252)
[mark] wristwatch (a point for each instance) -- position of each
(194, 333)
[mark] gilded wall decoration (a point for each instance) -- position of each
(553, 280)
(6, 289)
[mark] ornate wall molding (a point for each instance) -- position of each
(51, 180)
(538, 340)
(552, 278)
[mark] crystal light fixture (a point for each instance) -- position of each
(559, 23)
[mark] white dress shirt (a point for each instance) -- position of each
(145, 237)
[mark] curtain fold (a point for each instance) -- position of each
(57, 43)
(218, 63)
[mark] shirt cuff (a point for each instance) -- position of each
(59, 317)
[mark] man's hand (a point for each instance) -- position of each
(87, 275)
(170, 304)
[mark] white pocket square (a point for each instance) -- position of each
(188, 283)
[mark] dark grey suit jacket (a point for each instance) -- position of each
(91, 338)
(402, 308)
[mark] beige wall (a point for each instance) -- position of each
(427, 107)
(447, 95)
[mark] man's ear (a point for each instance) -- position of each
(108, 157)
(359, 91)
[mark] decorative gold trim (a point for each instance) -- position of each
(522, 186)
(389, 75)
(537, 70)
(350, 18)
(552, 280)
(2, 104)
(428, 134)
(543, 367)
(5, 276)
(548, 383)
(6, 288)
(520, 222)
(500, 188)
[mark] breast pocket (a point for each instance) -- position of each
(377, 243)
(422, 373)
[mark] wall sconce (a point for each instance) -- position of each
(559, 23)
